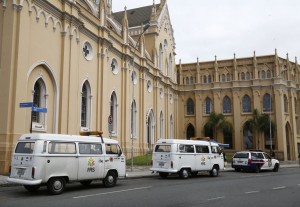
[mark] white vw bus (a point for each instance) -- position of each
(186, 157)
(54, 160)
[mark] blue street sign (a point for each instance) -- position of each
(26, 104)
(41, 110)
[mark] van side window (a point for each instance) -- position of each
(112, 149)
(186, 148)
(25, 147)
(202, 149)
(61, 148)
(89, 148)
(163, 148)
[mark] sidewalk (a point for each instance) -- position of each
(144, 171)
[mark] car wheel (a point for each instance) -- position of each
(184, 173)
(214, 172)
(163, 174)
(110, 180)
(31, 188)
(86, 182)
(276, 167)
(56, 186)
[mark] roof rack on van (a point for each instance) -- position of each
(93, 133)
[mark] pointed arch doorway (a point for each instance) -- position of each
(190, 131)
(288, 136)
(150, 128)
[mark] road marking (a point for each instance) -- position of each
(119, 191)
(279, 188)
(250, 192)
(217, 198)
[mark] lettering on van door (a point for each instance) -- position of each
(91, 165)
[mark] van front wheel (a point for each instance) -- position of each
(214, 172)
(56, 186)
(110, 180)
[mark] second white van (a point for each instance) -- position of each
(186, 157)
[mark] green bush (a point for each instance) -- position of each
(140, 160)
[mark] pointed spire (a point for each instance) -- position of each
(296, 60)
(287, 56)
(102, 10)
(153, 13)
(125, 26)
(276, 52)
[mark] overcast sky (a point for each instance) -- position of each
(205, 28)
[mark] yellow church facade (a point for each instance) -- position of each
(93, 69)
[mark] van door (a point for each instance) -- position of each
(187, 157)
(203, 161)
(91, 161)
(62, 160)
(115, 159)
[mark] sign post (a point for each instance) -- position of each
(33, 109)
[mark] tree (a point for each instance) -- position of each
(216, 122)
(257, 124)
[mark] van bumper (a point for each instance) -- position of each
(164, 170)
(24, 182)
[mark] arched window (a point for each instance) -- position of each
(133, 118)
(209, 79)
(114, 112)
(223, 78)
(207, 106)
(160, 59)
(85, 106)
(187, 81)
(204, 79)
(247, 76)
(171, 134)
(226, 105)
(190, 107)
(228, 77)
(170, 66)
(161, 125)
(39, 100)
(248, 138)
(263, 74)
(242, 76)
(285, 102)
(267, 103)
(191, 80)
(246, 102)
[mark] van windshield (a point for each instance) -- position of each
(163, 148)
(25, 147)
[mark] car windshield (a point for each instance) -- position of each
(241, 155)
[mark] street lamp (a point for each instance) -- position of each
(133, 79)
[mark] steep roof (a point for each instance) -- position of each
(136, 16)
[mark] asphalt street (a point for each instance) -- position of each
(229, 189)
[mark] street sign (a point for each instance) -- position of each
(41, 110)
(26, 104)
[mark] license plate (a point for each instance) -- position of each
(21, 171)
(161, 164)
(240, 161)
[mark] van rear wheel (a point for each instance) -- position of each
(32, 188)
(184, 173)
(56, 186)
(110, 180)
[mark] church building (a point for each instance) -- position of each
(93, 69)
